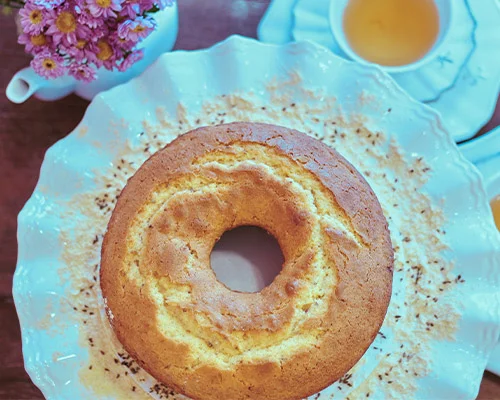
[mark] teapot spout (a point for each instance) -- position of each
(23, 85)
(27, 83)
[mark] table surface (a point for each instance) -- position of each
(27, 130)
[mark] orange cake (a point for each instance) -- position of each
(300, 333)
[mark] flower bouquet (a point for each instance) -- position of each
(76, 37)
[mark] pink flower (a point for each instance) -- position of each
(82, 51)
(85, 18)
(82, 72)
(35, 44)
(123, 44)
(48, 64)
(64, 27)
(106, 55)
(104, 8)
(130, 9)
(33, 19)
(76, 37)
(132, 58)
(102, 32)
(48, 4)
(133, 8)
(137, 29)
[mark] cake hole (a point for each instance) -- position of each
(246, 259)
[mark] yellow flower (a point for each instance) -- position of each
(139, 28)
(103, 3)
(35, 17)
(38, 40)
(49, 64)
(80, 44)
(66, 22)
(105, 50)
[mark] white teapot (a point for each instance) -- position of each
(27, 83)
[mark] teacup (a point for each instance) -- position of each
(445, 13)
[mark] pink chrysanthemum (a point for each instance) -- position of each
(130, 9)
(82, 72)
(137, 29)
(82, 51)
(120, 43)
(131, 59)
(133, 8)
(104, 8)
(103, 31)
(33, 19)
(48, 64)
(79, 36)
(86, 18)
(64, 27)
(106, 55)
(48, 4)
(35, 44)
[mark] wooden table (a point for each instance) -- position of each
(27, 130)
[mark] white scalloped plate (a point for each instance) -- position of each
(462, 83)
(54, 351)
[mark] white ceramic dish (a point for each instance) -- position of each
(462, 83)
(53, 350)
(484, 152)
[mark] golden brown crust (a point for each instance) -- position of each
(296, 336)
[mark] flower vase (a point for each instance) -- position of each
(27, 83)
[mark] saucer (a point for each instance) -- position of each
(484, 152)
(425, 83)
(462, 83)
